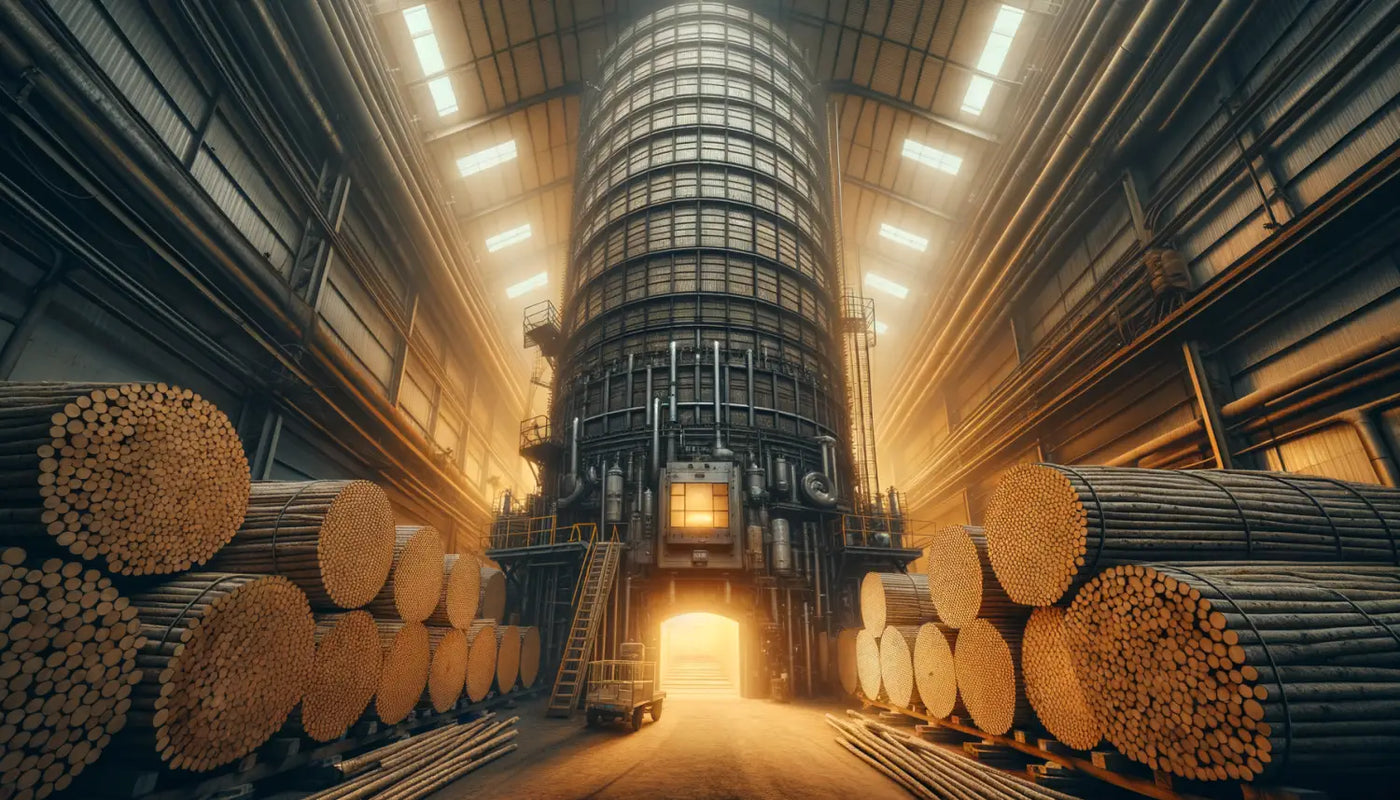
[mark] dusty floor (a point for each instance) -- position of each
(701, 748)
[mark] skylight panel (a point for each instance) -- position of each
(889, 287)
(417, 20)
(486, 159)
(444, 98)
(429, 56)
(505, 239)
(978, 90)
(932, 156)
(1004, 28)
(901, 236)
(528, 285)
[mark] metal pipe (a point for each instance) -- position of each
(821, 577)
(807, 642)
(673, 382)
(655, 437)
(720, 450)
(573, 450)
(631, 362)
(648, 405)
(748, 365)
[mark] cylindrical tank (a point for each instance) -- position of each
(702, 221)
(612, 495)
(782, 547)
(754, 482)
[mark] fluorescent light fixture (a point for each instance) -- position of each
(900, 236)
(417, 20)
(528, 285)
(993, 56)
(932, 157)
(444, 99)
(507, 238)
(486, 159)
(881, 328)
(889, 287)
(978, 90)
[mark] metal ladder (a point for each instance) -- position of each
(595, 582)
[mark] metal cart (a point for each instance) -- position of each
(624, 690)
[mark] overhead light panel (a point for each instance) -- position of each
(444, 99)
(425, 44)
(1004, 28)
(932, 156)
(528, 285)
(901, 236)
(507, 238)
(889, 287)
(486, 159)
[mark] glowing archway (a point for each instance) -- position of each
(700, 655)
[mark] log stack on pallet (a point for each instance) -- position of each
(196, 670)
(1212, 625)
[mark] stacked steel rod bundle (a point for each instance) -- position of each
(962, 585)
(529, 656)
(226, 659)
(868, 664)
(1052, 682)
(404, 675)
(334, 539)
(507, 657)
(415, 768)
(987, 660)
(447, 674)
(935, 674)
(415, 582)
(1244, 671)
(147, 478)
(927, 770)
(894, 598)
(344, 677)
(492, 604)
(846, 660)
(461, 591)
(68, 644)
(897, 665)
(1050, 527)
(481, 659)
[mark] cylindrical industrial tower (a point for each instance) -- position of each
(700, 307)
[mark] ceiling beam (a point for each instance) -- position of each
(475, 214)
(898, 198)
(524, 103)
(866, 93)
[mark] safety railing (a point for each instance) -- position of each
(512, 532)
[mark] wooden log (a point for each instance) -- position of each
(492, 604)
(1052, 683)
(934, 672)
(962, 585)
(897, 665)
(226, 658)
(868, 664)
(461, 591)
(481, 659)
(415, 583)
(68, 645)
(846, 660)
(507, 657)
(894, 598)
(987, 659)
(333, 539)
(345, 675)
(1050, 528)
(147, 479)
(447, 675)
(407, 658)
(1270, 671)
(529, 656)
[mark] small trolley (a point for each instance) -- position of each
(624, 690)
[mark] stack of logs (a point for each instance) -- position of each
(197, 669)
(1214, 625)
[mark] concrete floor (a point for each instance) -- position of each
(701, 748)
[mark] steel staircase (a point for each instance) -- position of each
(590, 602)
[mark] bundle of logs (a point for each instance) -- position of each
(1213, 625)
(197, 669)
(419, 766)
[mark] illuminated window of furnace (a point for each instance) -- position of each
(699, 505)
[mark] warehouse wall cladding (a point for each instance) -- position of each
(411, 398)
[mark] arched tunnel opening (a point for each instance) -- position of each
(699, 654)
